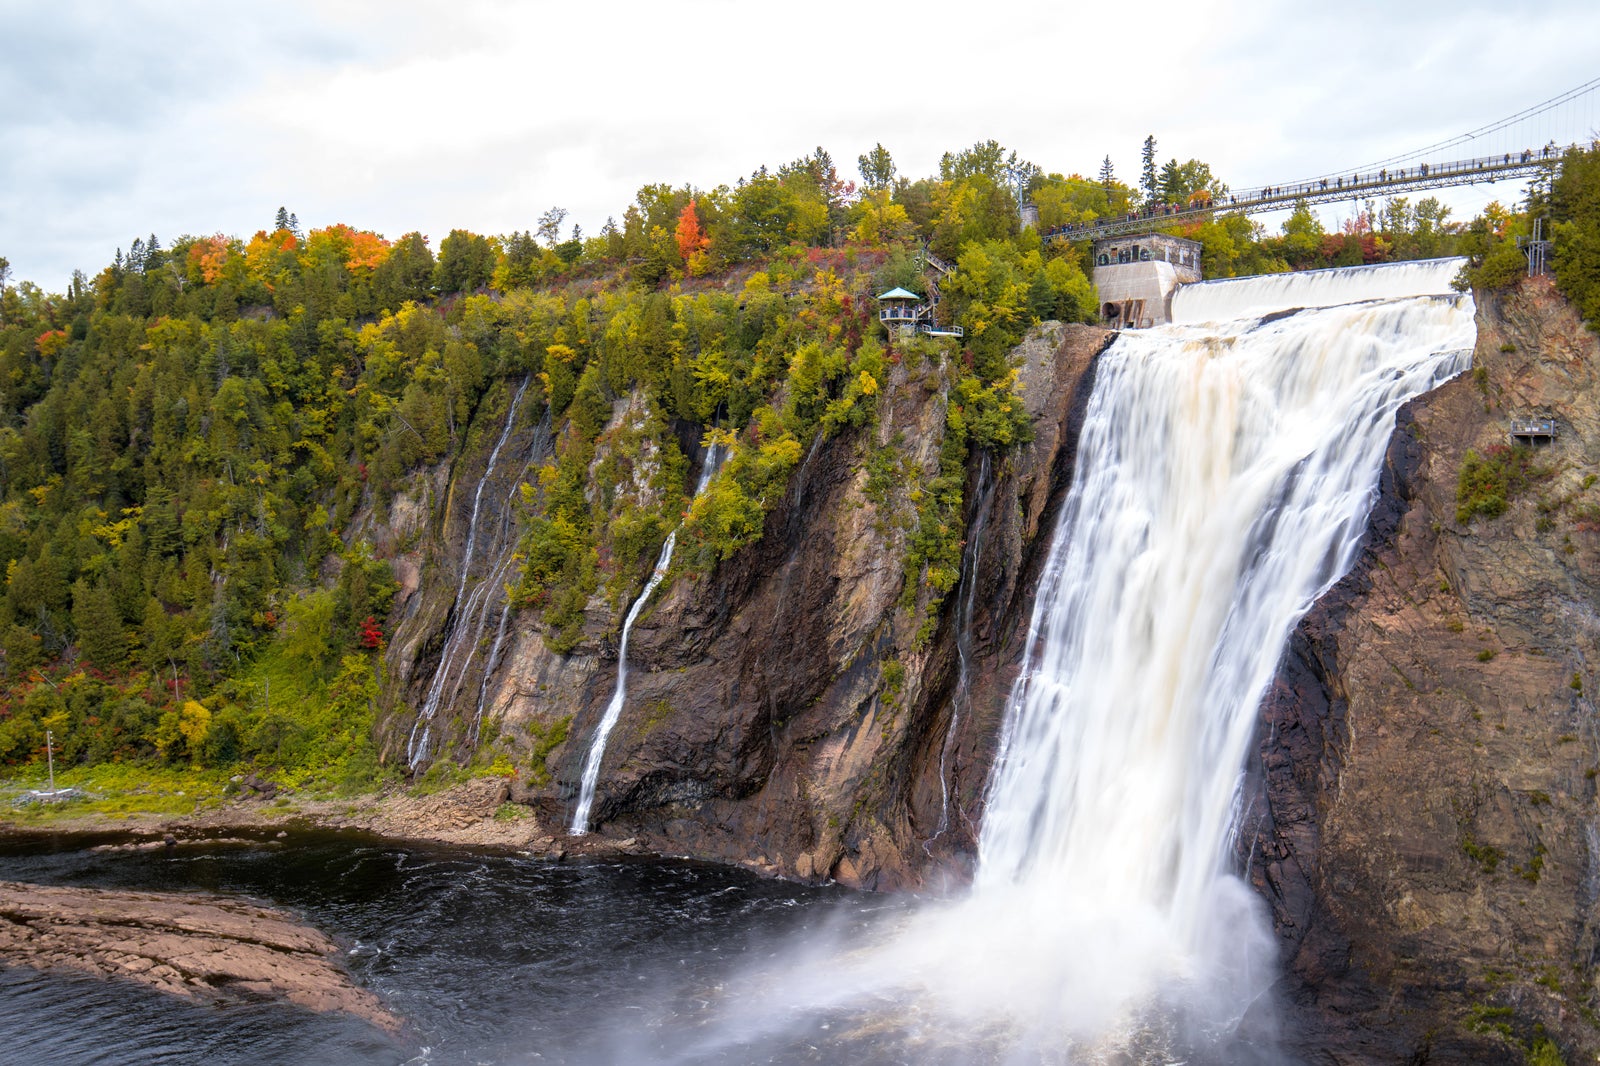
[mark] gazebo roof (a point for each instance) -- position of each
(898, 294)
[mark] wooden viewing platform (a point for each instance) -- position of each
(1532, 430)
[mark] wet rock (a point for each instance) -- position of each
(1425, 802)
(193, 946)
(758, 707)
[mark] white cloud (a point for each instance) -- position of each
(194, 117)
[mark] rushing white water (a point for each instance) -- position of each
(1223, 481)
(462, 638)
(608, 721)
(1233, 299)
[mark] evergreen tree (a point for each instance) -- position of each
(1108, 177)
(1148, 177)
(100, 636)
(281, 220)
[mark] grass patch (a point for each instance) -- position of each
(1487, 856)
(115, 790)
(546, 738)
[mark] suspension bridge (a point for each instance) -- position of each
(1524, 146)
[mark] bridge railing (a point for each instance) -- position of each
(1322, 190)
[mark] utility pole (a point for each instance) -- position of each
(50, 755)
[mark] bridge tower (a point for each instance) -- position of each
(1136, 276)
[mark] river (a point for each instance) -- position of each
(488, 958)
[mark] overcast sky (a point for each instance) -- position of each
(127, 117)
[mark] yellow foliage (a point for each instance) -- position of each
(194, 722)
(869, 384)
(784, 450)
(52, 341)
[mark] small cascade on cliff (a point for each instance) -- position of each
(961, 702)
(1223, 480)
(608, 721)
(462, 640)
(505, 559)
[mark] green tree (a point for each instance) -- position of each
(466, 262)
(549, 226)
(1575, 230)
(1181, 181)
(101, 637)
(1148, 181)
(1303, 235)
(877, 169)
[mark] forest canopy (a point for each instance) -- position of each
(192, 437)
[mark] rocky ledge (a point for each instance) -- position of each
(204, 948)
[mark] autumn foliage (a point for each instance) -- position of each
(207, 256)
(690, 237)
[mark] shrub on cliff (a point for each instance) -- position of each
(1488, 482)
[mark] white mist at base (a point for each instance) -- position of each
(1224, 477)
(613, 712)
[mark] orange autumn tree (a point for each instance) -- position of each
(207, 256)
(692, 242)
(360, 251)
(271, 256)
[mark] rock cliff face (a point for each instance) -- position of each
(1422, 818)
(783, 710)
(1424, 822)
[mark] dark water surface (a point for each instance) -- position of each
(488, 958)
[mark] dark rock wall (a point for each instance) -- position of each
(1423, 822)
(789, 710)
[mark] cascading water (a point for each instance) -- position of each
(961, 702)
(1223, 484)
(1223, 480)
(608, 721)
(462, 640)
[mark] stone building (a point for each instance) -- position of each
(1135, 277)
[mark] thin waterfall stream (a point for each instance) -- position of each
(613, 712)
(462, 638)
(971, 560)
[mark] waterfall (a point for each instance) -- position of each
(1223, 481)
(461, 643)
(966, 593)
(608, 721)
(505, 558)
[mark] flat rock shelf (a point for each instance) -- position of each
(199, 947)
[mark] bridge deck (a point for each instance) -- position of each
(1323, 190)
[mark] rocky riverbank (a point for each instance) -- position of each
(198, 947)
(475, 813)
